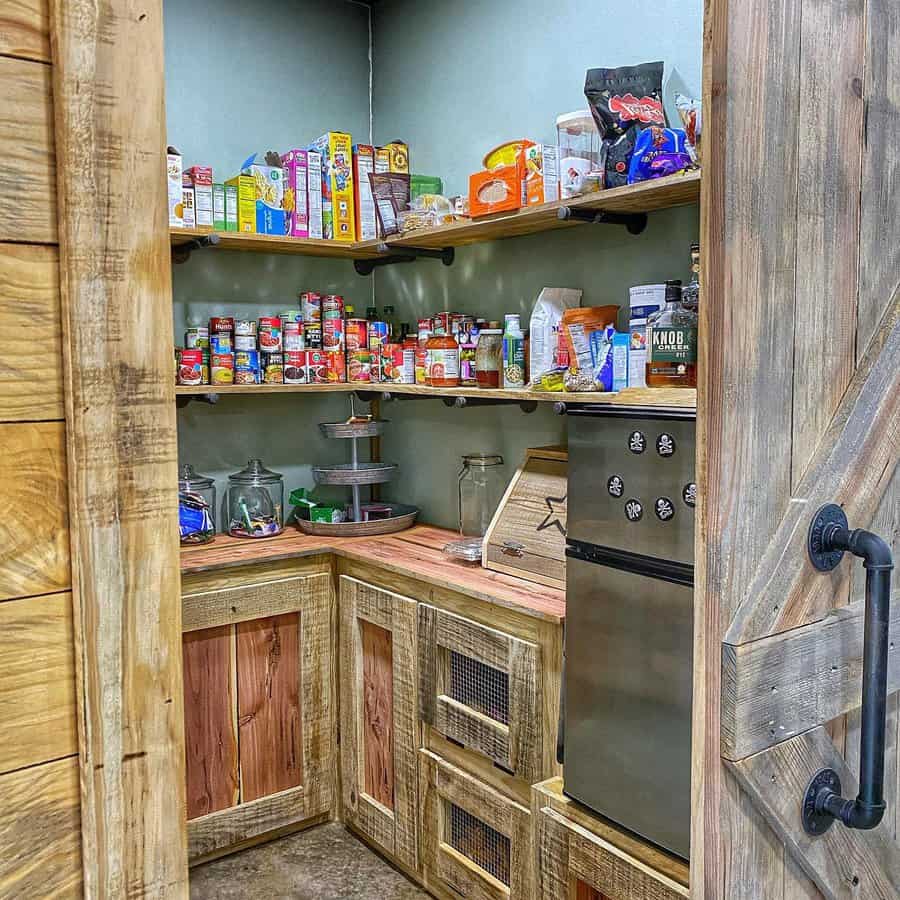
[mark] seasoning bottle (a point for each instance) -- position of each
(372, 313)
(513, 353)
(443, 361)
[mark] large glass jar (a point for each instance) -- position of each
(481, 487)
(196, 506)
(489, 358)
(255, 502)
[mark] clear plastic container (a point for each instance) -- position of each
(255, 502)
(481, 486)
(579, 152)
(196, 506)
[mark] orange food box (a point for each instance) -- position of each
(495, 190)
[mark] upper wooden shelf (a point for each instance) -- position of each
(648, 196)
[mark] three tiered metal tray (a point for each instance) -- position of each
(355, 474)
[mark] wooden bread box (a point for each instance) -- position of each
(527, 536)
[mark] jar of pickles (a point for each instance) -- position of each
(255, 502)
(196, 506)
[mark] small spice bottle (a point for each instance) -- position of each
(443, 361)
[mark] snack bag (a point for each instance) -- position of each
(578, 326)
(690, 112)
(657, 152)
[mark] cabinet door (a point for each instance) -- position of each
(482, 688)
(474, 839)
(379, 717)
(259, 713)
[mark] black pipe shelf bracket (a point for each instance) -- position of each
(182, 400)
(395, 255)
(828, 539)
(634, 223)
(182, 252)
(461, 402)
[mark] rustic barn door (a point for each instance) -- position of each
(799, 406)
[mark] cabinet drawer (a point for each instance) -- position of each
(474, 839)
(481, 688)
(379, 716)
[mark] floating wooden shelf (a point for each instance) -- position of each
(648, 196)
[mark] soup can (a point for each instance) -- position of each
(357, 335)
(316, 366)
(245, 327)
(268, 334)
(221, 368)
(292, 335)
(272, 368)
(359, 367)
(220, 342)
(244, 342)
(335, 367)
(333, 335)
(397, 364)
(190, 366)
(295, 367)
(196, 338)
(290, 315)
(378, 334)
(246, 367)
(312, 335)
(332, 306)
(311, 307)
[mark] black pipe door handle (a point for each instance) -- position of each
(829, 537)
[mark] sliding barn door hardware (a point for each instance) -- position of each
(182, 253)
(828, 539)
(634, 223)
(405, 255)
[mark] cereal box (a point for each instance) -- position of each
(296, 190)
(231, 207)
(382, 160)
(363, 164)
(200, 178)
(398, 156)
(268, 193)
(219, 207)
(245, 191)
(174, 180)
(188, 209)
(314, 192)
(540, 170)
(338, 220)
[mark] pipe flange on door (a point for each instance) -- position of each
(823, 524)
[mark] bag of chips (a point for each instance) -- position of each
(658, 152)
(690, 112)
(622, 101)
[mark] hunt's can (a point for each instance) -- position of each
(272, 366)
(316, 366)
(268, 333)
(221, 368)
(357, 335)
(335, 367)
(295, 367)
(379, 334)
(190, 366)
(292, 335)
(196, 338)
(311, 306)
(333, 335)
(221, 325)
(244, 342)
(246, 367)
(359, 367)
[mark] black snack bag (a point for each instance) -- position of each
(623, 101)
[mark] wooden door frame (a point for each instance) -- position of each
(116, 290)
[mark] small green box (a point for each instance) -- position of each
(324, 514)
(231, 207)
(219, 207)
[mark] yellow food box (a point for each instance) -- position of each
(245, 185)
(338, 219)
(398, 154)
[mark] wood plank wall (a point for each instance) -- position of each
(39, 793)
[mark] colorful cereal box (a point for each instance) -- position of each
(174, 181)
(218, 196)
(245, 190)
(314, 193)
(200, 178)
(398, 156)
(338, 220)
(541, 174)
(296, 193)
(268, 193)
(363, 164)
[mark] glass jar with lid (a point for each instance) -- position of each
(255, 502)
(481, 485)
(489, 358)
(196, 506)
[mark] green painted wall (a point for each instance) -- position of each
(242, 77)
(455, 79)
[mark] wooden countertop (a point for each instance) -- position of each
(415, 553)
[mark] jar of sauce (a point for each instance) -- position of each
(443, 361)
(489, 358)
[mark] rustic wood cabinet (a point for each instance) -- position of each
(379, 716)
(259, 710)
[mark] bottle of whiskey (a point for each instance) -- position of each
(672, 342)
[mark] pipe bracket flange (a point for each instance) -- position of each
(822, 557)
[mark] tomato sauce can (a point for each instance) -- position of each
(293, 336)
(295, 371)
(357, 335)
(379, 334)
(190, 363)
(333, 307)
(221, 325)
(268, 333)
(359, 367)
(316, 367)
(333, 338)
(335, 367)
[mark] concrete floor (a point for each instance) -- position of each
(323, 863)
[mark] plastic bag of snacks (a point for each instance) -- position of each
(690, 112)
(658, 152)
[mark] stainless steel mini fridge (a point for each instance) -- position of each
(629, 620)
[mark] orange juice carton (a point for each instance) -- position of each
(200, 179)
(268, 192)
(363, 164)
(188, 202)
(540, 170)
(244, 194)
(174, 181)
(296, 193)
(314, 192)
(338, 220)
(495, 190)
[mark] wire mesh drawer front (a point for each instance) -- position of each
(480, 687)
(476, 840)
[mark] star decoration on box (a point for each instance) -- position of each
(556, 517)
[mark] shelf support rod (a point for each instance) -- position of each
(405, 255)
(634, 223)
(181, 400)
(182, 253)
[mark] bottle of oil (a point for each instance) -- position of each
(672, 342)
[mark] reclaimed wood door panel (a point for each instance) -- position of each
(379, 718)
(482, 688)
(40, 832)
(37, 681)
(34, 536)
(210, 720)
(269, 718)
(28, 173)
(25, 29)
(30, 334)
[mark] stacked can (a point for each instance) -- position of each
(221, 347)
(311, 316)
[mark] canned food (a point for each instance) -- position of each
(190, 363)
(421, 364)
(379, 333)
(244, 342)
(333, 335)
(316, 366)
(335, 367)
(196, 338)
(292, 335)
(222, 368)
(268, 334)
(295, 367)
(357, 337)
(221, 325)
(272, 368)
(220, 343)
(440, 324)
(312, 335)
(246, 367)
(245, 327)
(204, 366)
(290, 315)
(397, 364)
(359, 367)
(425, 328)
(311, 307)
(332, 305)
